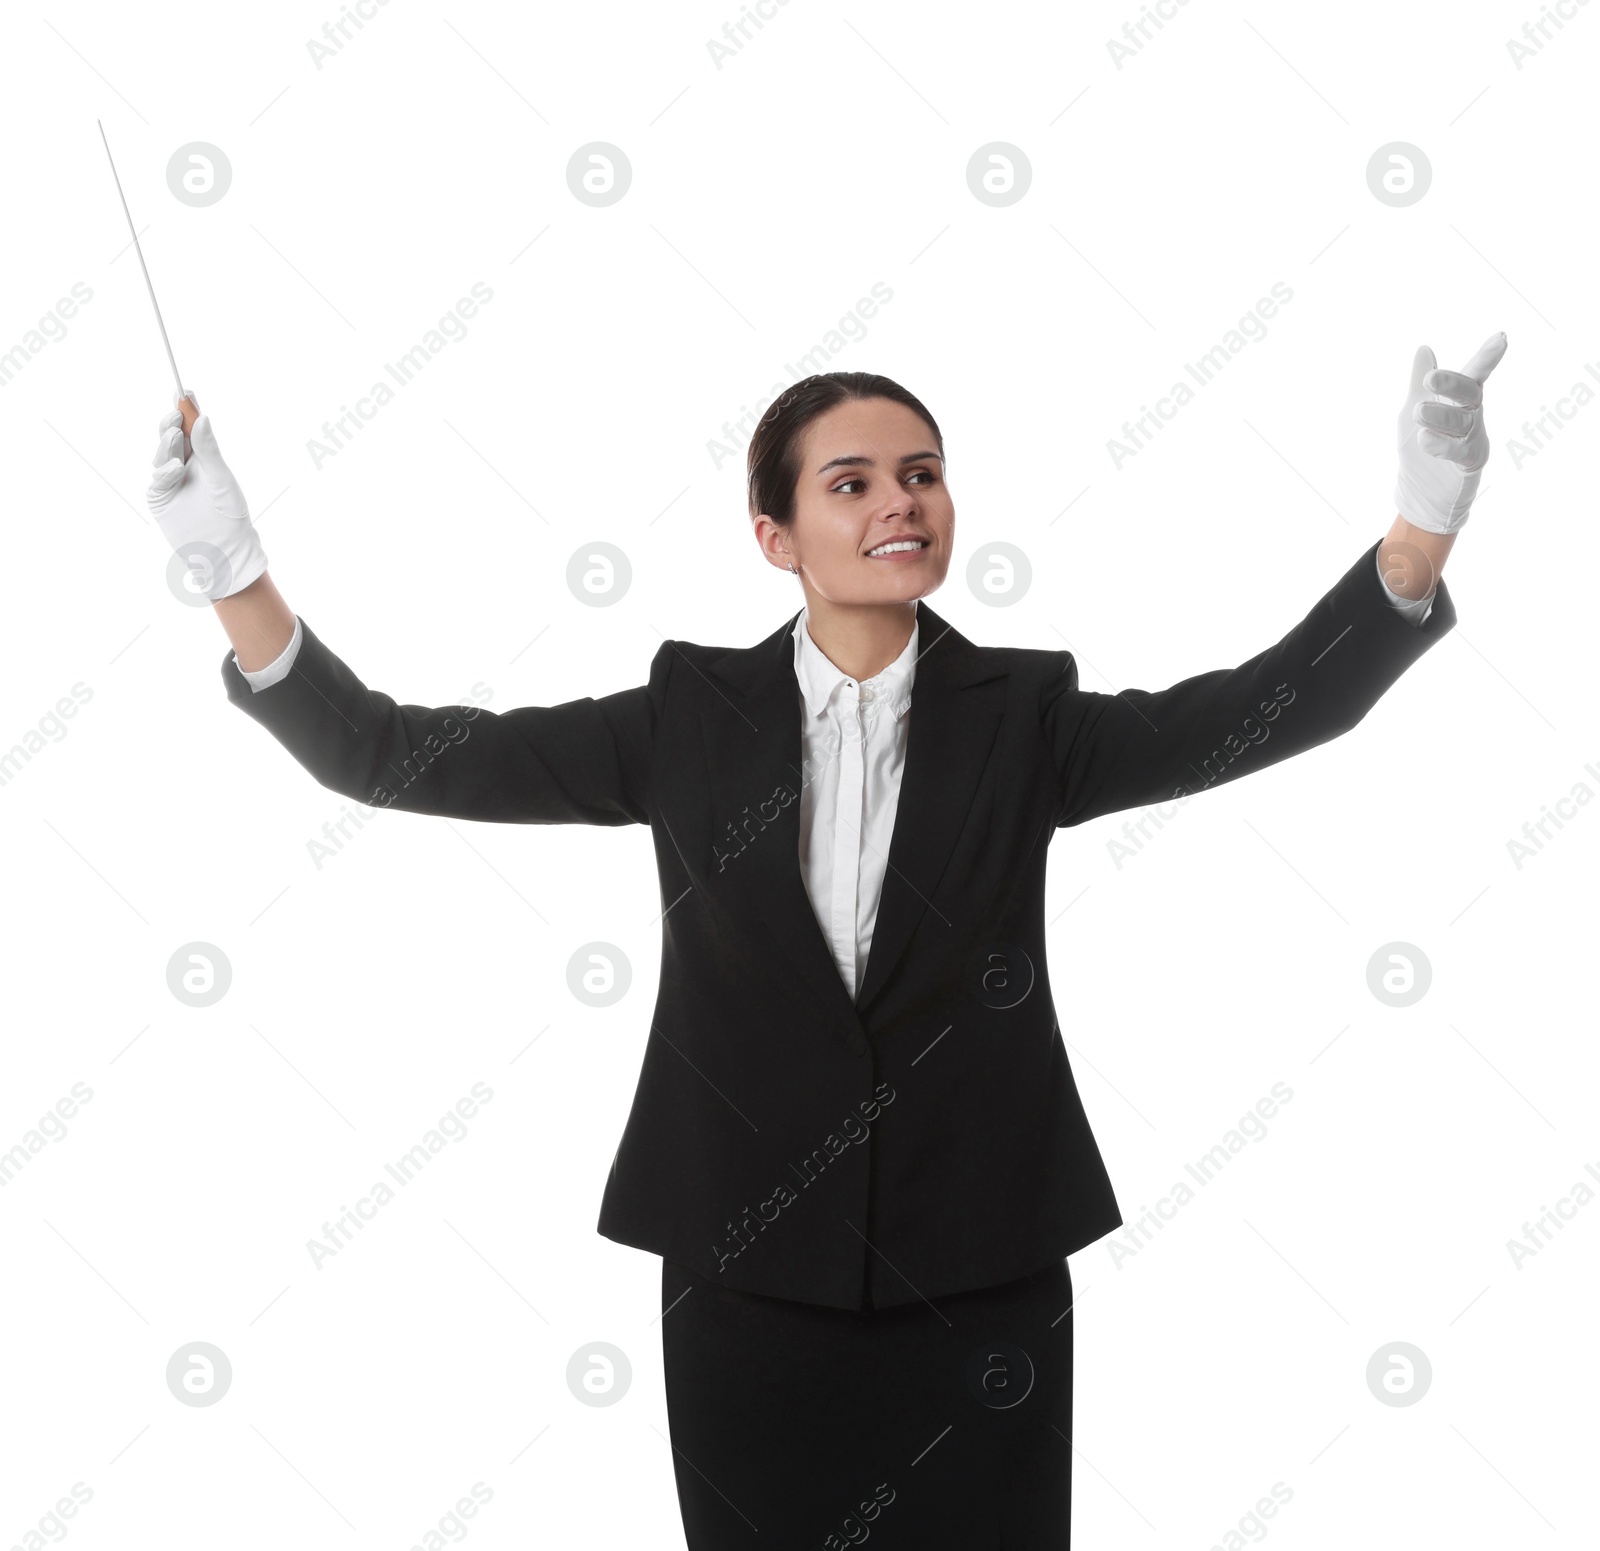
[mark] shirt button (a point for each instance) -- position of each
(866, 694)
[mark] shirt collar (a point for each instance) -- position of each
(820, 679)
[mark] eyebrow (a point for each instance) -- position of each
(856, 458)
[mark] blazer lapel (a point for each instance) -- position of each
(755, 781)
(957, 700)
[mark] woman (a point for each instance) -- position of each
(855, 1142)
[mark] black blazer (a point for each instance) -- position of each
(927, 1137)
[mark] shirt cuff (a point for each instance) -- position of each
(263, 678)
(1414, 610)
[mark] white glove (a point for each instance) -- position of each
(199, 506)
(1443, 445)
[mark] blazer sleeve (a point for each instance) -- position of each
(587, 761)
(1140, 746)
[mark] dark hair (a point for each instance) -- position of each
(774, 458)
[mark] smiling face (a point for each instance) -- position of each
(870, 474)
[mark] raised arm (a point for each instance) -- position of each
(586, 761)
(1121, 751)
(1140, 746)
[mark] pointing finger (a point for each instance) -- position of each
(1487, 358)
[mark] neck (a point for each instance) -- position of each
(860, 639)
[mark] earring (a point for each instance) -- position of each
(792, 569)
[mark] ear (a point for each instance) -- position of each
(773, 541)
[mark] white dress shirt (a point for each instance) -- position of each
(853, 751)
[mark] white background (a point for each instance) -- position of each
(371, 993)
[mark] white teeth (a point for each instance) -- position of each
(889, 549)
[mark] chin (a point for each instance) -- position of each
(906, 589)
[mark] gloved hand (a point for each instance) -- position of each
(1443, 445)
(199, 506)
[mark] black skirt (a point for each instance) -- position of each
(926, 1425)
